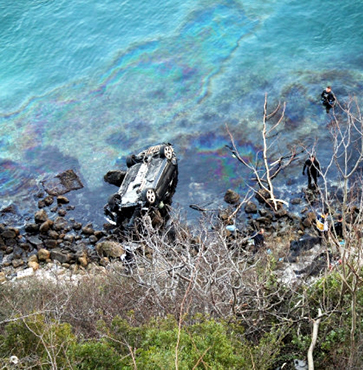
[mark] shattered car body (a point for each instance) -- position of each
(150, 182)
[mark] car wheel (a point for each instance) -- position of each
(150, 196)
(166, 152)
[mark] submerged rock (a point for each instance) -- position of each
(63, 183)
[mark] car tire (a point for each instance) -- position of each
(166, 151)
(149, 196)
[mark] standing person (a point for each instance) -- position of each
(322, 224)
(313, 171)
(328, 98)
(259, 240)
(338, 226)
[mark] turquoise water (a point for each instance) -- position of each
(83, 84)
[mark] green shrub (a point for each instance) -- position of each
(94, 356)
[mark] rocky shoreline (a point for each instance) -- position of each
(54, 241)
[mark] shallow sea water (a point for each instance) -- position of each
(83, 85)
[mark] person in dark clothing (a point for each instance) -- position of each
(259, 240)
(328, 98)
(338, 227)
(313, 170)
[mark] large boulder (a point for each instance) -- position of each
(115, 177)
(63, 183)
(110, 249)
(231, 197)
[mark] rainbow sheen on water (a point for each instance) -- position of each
(84, 85)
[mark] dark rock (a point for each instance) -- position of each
(99, 234)
(40, 216)
(281, 213)
(50, 243)
(45, 226)
(77, 226)
(62, 200)
(88, 230)
(63, 183)
(262, 196)
(265, 213)
(231, 197)
(93, 239)
(41, 204)
(31, 228)
(69, 238)
(8, 234)
(250, 207)
(25, 246)
(34, 240)
(53, 234)
(60, 223)
(60, 257)
(9, 250)
(48, 200)
(295, 201)
(62, 212)
(114, 177)
(110, 249)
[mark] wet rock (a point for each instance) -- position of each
(69, 238)
(31, 228)
(115, 177)
(262, 196)
(88, 230)
(77, 226)
(25, 246)
(281, 213)
(62, 212)
(35, 241)
(50, 243)
(10, 233)
(93, 239)
(63, 183)
(295, 201)
(45, 226)
(62, 199)
(53, 234)
(60, 224)
(40, 216)
(231, 197)
(110, 249)
(250, 207)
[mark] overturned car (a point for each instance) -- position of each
(149, 182)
